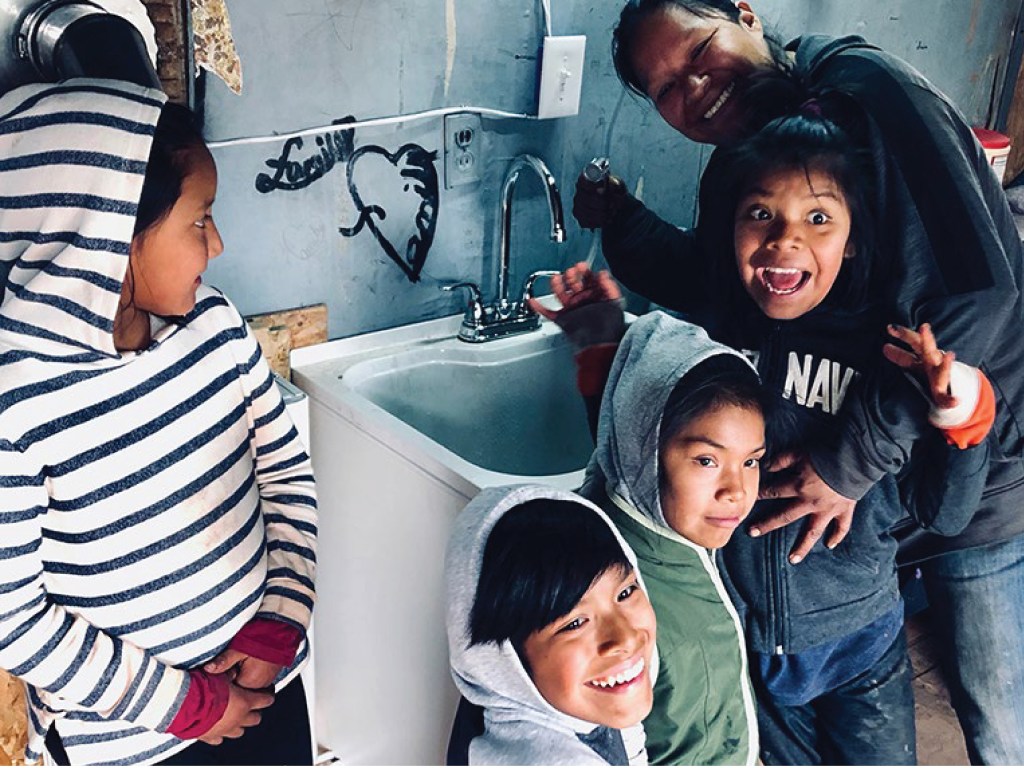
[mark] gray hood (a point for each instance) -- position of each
(656, 352)
(65, 234)
(521, 728)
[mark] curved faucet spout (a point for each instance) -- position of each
(554, 207)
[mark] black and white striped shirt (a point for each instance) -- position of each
(151, 502)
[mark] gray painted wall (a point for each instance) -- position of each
(309, 62)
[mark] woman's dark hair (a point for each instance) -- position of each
(719, 381)
(635, 11)
(808, 141)
(175, 139)
(539, 561)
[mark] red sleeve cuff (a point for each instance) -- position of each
(204, 704)
(973, 431)
(592, 367)
(268, 640)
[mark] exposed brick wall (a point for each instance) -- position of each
(168, 17)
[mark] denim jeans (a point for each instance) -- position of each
(867, 721)
(976, 598)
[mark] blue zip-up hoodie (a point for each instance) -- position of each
(811, 366)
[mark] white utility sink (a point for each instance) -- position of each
(406, 426)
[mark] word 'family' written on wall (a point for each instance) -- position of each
(405, 180)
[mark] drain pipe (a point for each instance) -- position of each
(51, 40)
(75, 38)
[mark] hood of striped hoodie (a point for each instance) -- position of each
(72, 163)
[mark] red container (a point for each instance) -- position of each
(997, 149)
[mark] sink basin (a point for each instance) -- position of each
(512, 409)
(480, 415)
(406, 426)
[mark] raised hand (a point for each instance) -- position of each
(577, 286)
(591, 312)
(596, 203)
(924, 358)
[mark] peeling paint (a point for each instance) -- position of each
(450, 40)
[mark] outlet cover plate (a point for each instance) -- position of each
(561, 75)
(462, 149)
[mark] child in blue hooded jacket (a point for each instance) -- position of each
(795, 296)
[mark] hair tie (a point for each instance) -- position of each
(811, 107)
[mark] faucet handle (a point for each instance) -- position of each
(531, 279)
(475, 307)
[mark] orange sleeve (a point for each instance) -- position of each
(973, 431)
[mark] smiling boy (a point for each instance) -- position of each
(550, 631)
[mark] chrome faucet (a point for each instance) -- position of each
(505, 317)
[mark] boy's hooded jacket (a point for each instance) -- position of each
(520, 727)
(703, 706)
(152, 503)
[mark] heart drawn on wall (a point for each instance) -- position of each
(406, 182)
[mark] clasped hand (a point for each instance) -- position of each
(249, 692)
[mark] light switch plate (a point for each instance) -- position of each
(561, 75)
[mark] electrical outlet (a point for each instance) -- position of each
(561, 75)
(462, 143)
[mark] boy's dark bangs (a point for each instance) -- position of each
(539, 562)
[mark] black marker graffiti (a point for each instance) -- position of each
(407, 177)
(334, 148)
(417, 195)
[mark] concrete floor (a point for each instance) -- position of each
(939, 739)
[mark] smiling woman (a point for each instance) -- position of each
(694, 59)
(711, 58)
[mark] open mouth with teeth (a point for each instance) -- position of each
(617, 682)
(783, 281)
(720, 101)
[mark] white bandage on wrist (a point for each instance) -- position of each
(965, 386)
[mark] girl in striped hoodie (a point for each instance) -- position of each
(157, 508)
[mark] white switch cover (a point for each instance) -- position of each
(561, 75)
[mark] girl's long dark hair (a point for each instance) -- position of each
(175, 139)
